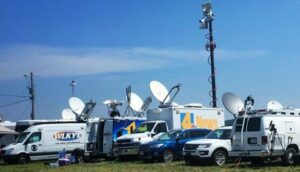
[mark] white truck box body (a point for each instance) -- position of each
(188, 117)
(44, 141)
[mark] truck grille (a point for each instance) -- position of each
(144, 148)
(190, 146)
(127, 143)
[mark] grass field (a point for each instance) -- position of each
(136, 166)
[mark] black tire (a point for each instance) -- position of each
(219, 157)
(78, 157)
(168, 155)
(287, 159)
(23, 159)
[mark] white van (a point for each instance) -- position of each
(269, 133)
(44, 141)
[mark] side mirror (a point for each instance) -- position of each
(177, 139)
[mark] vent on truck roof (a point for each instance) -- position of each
(161, 93)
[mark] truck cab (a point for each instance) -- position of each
(128, 145)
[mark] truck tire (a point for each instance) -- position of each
(168, 155)
(79, 157)
(287, 158)
(23, 159)
(219, 157)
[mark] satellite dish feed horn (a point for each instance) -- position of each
(232, 103)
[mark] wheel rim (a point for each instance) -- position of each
(22, 160)
(220, 158)
(290, 157)
(168, 156)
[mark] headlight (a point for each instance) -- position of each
(157, 146)
(205, 145)
(9, 151)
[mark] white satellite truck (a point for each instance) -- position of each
(262, 134)
(43, 139)
(168, 115)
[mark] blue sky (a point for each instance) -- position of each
(106, 45)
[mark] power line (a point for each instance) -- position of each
(10, 95)
(14, 103)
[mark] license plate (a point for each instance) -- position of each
(141, 153)
(188, 153)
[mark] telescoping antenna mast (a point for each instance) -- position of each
(206, 23)
(32, 95)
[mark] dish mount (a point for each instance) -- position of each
(161, 93)
(136, 105)
(79, 111)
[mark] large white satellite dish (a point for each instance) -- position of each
(76, 105)
(159, 91)
(274, 105)
(67, 114)
(136, 102)
(232, 103)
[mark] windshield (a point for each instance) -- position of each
(21, 137)
(219, 134)
(145, 127)
(169, 135)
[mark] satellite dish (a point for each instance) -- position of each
(159, 91)
(274, 105)
(76, 105)
(67, 114)
(232, 103)
(136, 102)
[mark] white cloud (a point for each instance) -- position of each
(48, 61)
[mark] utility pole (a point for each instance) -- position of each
(206, 23)
(31, 95)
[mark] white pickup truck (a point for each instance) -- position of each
(214, 147)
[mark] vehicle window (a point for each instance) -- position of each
(219, 134)
(254, 124)
(145, 127)
(21, 137)
(199, 133)
(172, 134)
(35, 137)
(185, 135)
(226, 134)
(239, 123)
(161, 127)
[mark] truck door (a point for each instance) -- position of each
(107, 136)
(34, 147)
(160, 127)
(254, 133)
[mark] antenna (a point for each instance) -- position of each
(206, 23)
(73, 84)
(112, 105)
(161, 93)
